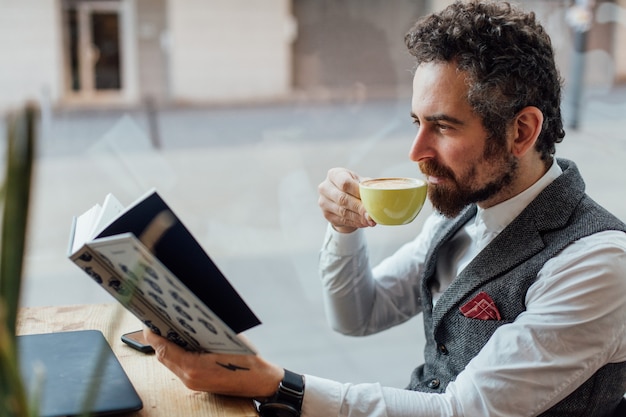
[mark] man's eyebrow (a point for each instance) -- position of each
(440, 117)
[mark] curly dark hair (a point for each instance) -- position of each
(508, 58)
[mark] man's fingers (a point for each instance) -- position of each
(168, 353)
(345, 181)
(340, 216)
(340, 201)
(160, 345)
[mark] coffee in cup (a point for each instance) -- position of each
(393, 200)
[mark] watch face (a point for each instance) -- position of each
(277, 410)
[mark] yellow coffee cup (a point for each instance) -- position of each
(393, 200)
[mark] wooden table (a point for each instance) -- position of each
(161, 391)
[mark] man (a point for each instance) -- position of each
(520, 276)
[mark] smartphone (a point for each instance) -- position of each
(136, 341)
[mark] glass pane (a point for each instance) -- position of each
(105, 37)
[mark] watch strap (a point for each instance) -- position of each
(291, 388)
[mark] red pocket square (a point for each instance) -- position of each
(481, 307)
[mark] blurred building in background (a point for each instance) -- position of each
(186, 52)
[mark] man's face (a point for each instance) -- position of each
(450, 145)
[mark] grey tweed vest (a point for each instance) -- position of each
(561, 214)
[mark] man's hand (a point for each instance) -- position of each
(340, 201)
(236, 375)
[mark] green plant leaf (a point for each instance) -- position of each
(16, 197)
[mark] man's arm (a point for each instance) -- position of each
(361, 300)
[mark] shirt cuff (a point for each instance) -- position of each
(343, 244)
(322, 397)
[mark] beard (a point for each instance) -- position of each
(461, 190)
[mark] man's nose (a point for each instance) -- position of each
(422, 147)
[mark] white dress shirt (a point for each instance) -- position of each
(574, 324)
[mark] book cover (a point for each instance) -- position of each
(147, 259)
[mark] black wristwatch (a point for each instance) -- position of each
(287, 402)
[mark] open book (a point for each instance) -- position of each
(147, 259)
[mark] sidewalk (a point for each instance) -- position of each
(252, 203)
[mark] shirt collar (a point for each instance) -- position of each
(497, 217)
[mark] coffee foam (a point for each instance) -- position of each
(391, 184)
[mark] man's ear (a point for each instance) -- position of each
(526, 129)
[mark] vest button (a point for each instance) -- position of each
(443, 349)
(434, 383)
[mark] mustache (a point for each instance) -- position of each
(434, 169)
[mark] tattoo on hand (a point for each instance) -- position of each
(232, 367)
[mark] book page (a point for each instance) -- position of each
(111, 208)
(84, 226)
(94, 220)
